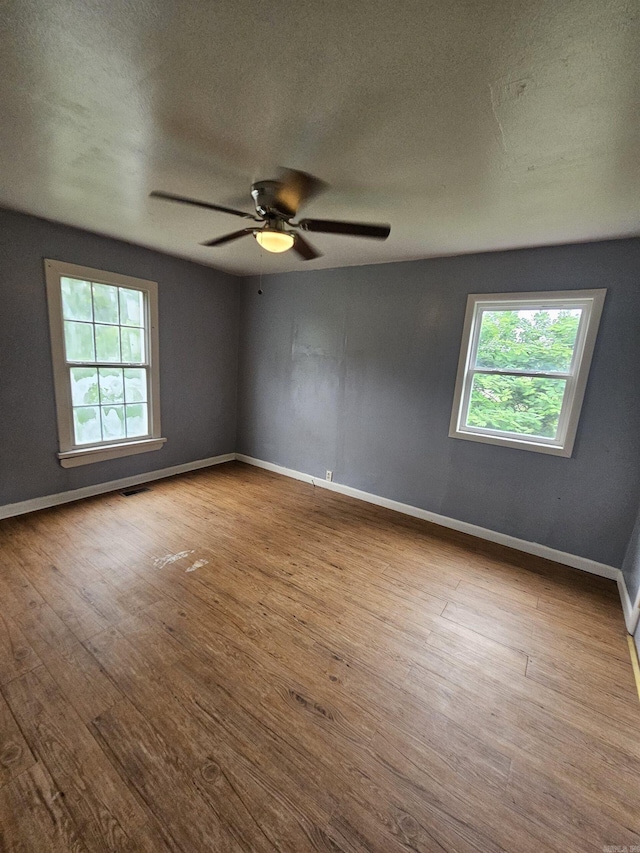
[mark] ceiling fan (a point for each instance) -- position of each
(277, 203)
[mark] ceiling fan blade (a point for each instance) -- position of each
(205, 204)
(305, 249)
(295, 189)
(355, 229)
(220, 241)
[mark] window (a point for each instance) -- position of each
(104, 342)
(523, 368)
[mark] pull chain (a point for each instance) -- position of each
(261, 266)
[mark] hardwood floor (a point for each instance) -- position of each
(235, 661)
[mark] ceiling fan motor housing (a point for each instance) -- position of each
(264, 194)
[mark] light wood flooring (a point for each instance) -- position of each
(235, 661)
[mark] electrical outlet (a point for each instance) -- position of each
(329, 476)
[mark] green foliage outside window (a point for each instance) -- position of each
(528, 340)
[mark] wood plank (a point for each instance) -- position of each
(78, 614)
(249, 775)
(161, 779)
(34, 817)
(581, 758)
(76, 672)
(566, 606)
(204, 755)
(612, 692)
(463, 644)
(562, 813)
(16, 592)
(482, 763)
(73, 564)
(535, 723)
(15, 755)
(504, 628)
(157, 646)
(16, 655)
(502, 597)
(443, 806)
(298, 695)
(150, 838)
(97, 799)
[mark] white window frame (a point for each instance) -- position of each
(591, 301)
(70, 454)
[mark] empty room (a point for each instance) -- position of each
(319, 427)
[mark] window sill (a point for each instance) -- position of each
(517, 444)
(85, 456)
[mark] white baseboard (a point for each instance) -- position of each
(9, 510)
(583, 563)
(631, 613)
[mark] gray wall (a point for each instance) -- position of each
(349, 369)
(198, 310)
(353, 370)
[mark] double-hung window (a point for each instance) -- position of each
(523, 368)
(104, 341)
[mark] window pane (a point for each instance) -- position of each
(86, 425)
(105, 303)
(133, 345)
(84, 386)
(76, 299)
(111, 385)
(78, 341)
(520, 404)
(137, 420)
(528, 340)
(112, 422)
(135, 384)
(131, 307)
(107, 343)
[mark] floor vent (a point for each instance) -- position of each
(135, 490)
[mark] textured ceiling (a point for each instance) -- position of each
(469, 126)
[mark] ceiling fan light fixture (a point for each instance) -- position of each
(274, 241)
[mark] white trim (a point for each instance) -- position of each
(573, 560)
(591, 302)
(631, 613)
(9, 510)
(86, 455)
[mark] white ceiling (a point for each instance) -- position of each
(469, 126)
